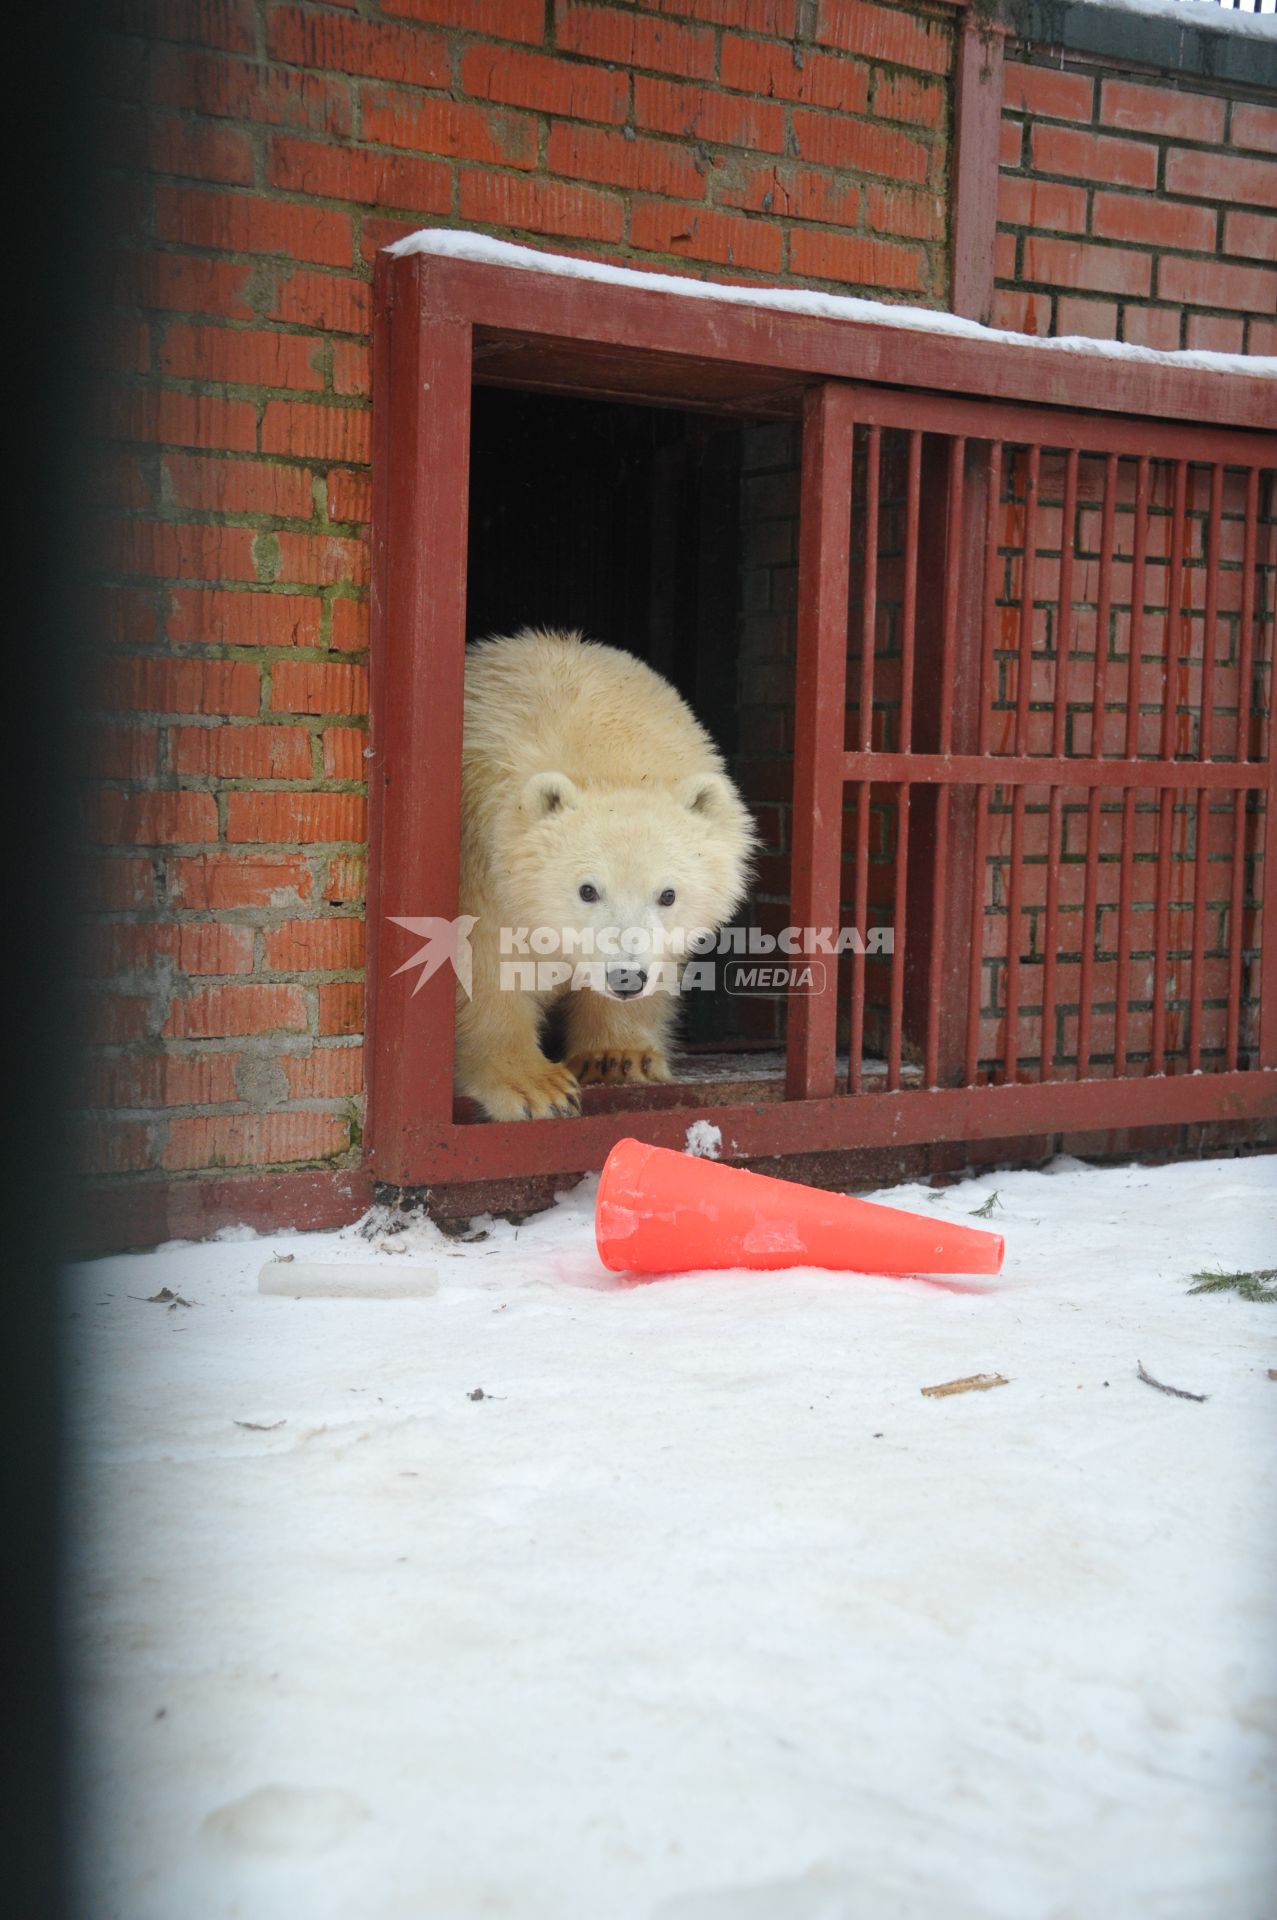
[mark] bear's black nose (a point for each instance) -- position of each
(625, 982)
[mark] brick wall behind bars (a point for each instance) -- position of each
(1136, 207)
(256, 156)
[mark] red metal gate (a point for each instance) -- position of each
(1034, 663)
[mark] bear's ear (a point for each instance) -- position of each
(706, 793)
(548, 793)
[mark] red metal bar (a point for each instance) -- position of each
(856, 1040)
(1212, 539)
(1246, 636)
(989, 640)
(1064, 613)
(977, 128)
(953, 581)
(1268, 914)
(761, 1128)
(869, 606)
(909, 613)
(1028, 583)
(760, 337)
(1011, 1050)
(1161, 931)
(1196, 978)
(975, 978)
(1174, 612)
(1237, 896)
(1134, 683)
(1051, 933)
(1121, 1025)
(1038, 770)
(418, 651)
(900, 907)
(1086, 982)
(820, 698)
(1104, 607)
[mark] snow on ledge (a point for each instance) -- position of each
(463, 245)
(1205, 16)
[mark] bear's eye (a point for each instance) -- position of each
(665, 899)
(589, 893)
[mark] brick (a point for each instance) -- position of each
(211, 882)
(159, 1080)
(776, 17)
(498, 19)
(305, 37)
(700, 113)
(243, 90)
(149, 685)
(254, 1140)
(1004, 250)
(349, 497)
(1047, 92)
(1221, 176)
(246, 223)
(117, 753)
(313, 430)
(114, 1019)
(315, 946)
(346, 880)
(1096, 319)
(124, 616)
(349, 631)
(449, 128)
(197, 150)
(176, 419)
(236, 486)
(326, 1073)
(160, 549)
(1254, 127)
(152, 819)
(242, 753)
(206, 617)
(901, 39)
(1043, 203)
(352, 368)
(173, 282)
(115, 1146)
(857, 262)
(293, 818)
(907, 215)
(341, 1007)
(330, 302)
(208, 23)
(241, 356)
(1215, 283)
(1214, 333)
(1252, 235)
(1160, 223)
(1011, 143)
(1262, 337)
(775, 72)
(109, 883)
(206, 948)
(1140, 109)
(539, 81)
(651, 166)
(625, 39)
(795, 193)
(700, 234)
(1071, 263)
(540, 206)
(318, 686)
(321, 560)
(344, 753)
(348, 173)
(828, 140)
(222, 1012)
(1152, 327)
(1094, 156)
(899, 96)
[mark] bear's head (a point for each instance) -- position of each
(628, 875)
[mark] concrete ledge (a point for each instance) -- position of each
(1177, 37)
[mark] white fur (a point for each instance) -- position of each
(583, 766)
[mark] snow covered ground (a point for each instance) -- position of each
(702, 1611)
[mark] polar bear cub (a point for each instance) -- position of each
(598, 823)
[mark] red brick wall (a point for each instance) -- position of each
(1136, 208)
(255, 157)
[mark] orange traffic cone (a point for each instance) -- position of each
(663, 1212)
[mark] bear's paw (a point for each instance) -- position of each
(540, 1090)
(620, 1066)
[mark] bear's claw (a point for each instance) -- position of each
(545, 1091)
(634, 1064)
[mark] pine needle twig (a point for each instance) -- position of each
(1180, 1393)
(1261, 1284)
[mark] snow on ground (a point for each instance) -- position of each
(702, 1611)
